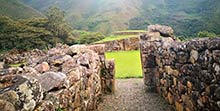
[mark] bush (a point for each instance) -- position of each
(84, 37)
(206, 34)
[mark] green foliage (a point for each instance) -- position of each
(58, 25)
(138, 23)
(59, 109)
(206, 34)
(55, 15)
(24, 34)
(35, 32)
(84, 37)
(127, 63)
(187, 18)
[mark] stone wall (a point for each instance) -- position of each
(67, 78)
(127, 44)
(186, 74)
(107, 70)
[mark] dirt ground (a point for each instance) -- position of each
(131, 95)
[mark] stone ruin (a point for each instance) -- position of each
(70, 78)
(126, 44)
(187, 73)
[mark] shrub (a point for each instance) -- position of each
(206, 34)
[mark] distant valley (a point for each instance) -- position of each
(187, 17)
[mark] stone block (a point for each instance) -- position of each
(193, 56)
(179, 106)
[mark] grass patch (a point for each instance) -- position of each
(113, 37)
(127, 63)
(131, 31)
(17, 65)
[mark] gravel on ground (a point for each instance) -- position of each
(131, 95)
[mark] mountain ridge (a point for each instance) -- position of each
(186, 17)
(17, 10)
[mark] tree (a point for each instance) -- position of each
(58, 25)
(24, 34)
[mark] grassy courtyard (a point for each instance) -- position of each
(127, 63)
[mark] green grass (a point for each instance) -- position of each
(127, 63)
(131, 31)
(17, 65)
(112, 37)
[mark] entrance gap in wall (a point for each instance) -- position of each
(127, 63)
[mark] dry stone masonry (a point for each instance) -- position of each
(186, 74)
(126, 44)
(66, 78)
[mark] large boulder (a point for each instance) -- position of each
(165, 31)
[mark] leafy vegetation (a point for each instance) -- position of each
(84, 37)
(41, 33)
(24, 34)
(59, 109)
(127, 63)
(186, 17)
(33, 33)
(104, 16)
(206, 34)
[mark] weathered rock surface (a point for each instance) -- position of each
(165, 31)
(67, 78)
(186, 74)
(127, 44)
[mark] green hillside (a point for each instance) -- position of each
(17, 10)
(187, 17)
(94, 15)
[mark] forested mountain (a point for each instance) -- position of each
(17, 10)
(94, 15)
(188, 17)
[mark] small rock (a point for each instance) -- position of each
(176, 73)
(216, 68)
(193, 56)
(168, 70)
(217, 93)
(1, 65)
(43, 67)
(216, 55)
(200, 103)
(218, 103)
(170, 98)
(6, 106)
(179, 106)
(214, 43)
(182, 57)
(75, 49)
(189, 85)
(174, 81)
